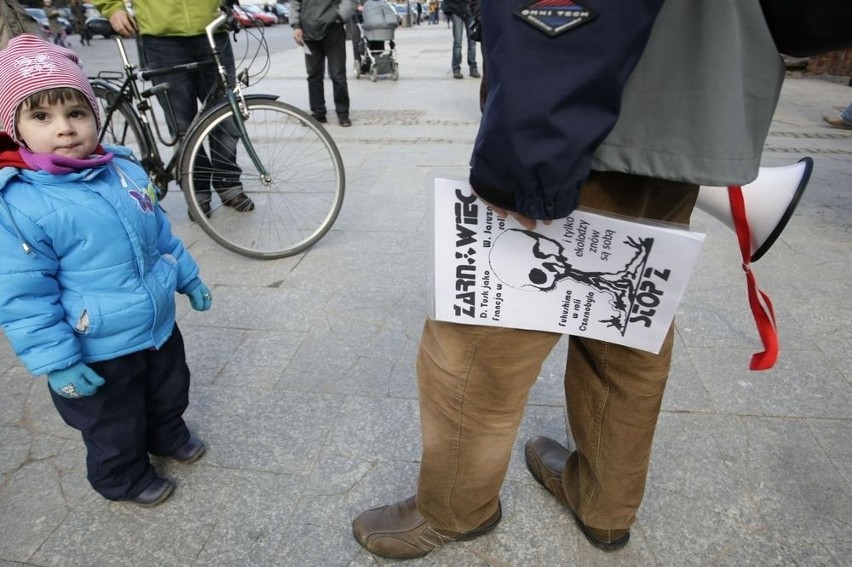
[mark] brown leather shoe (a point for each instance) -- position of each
(546, 460)
(399, 531)
(837, 122)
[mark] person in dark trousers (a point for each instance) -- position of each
(318, 26)
(79, 13)
(172, 33)
(568, 122)
(88, 276)
(459, 13)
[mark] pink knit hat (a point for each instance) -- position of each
(28, 65)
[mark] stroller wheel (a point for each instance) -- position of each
(374, 74)
(357, 69)
(395, 72)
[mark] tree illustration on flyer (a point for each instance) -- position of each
(590, 274)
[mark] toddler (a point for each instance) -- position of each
(88, 272)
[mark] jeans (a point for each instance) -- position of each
(188, 88)
(474, 382)
(462, 25)
(332, 48)
(355, 34)
(846, 115)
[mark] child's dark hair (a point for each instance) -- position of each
(51, 97)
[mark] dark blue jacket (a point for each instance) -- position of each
(458, 7)
(556, 71)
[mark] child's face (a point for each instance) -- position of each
(67, 128)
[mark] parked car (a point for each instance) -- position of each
(67, 20)
(244, 18)
(266, 18)
(401, 12)
(40, 16)
(91, 11)
(283, 12)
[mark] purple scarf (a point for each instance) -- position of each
(55, 164)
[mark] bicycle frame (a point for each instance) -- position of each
(128, 91)
(235, 97)
(223, 174)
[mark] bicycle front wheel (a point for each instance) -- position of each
(294, 204)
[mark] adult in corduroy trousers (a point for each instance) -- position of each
(574, 116)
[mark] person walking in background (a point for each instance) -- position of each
(79, 13)
(354, 32)
(459, 14)
(89, 274)
(171, 32)
(433, 12)
(318, 26)
(843, 120)
(57, 30)
(556, 133)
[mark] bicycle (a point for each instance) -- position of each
(283, 158)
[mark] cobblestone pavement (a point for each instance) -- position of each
(303, 377)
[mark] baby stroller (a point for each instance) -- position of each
(377, 25)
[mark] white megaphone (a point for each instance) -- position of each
(769, 202)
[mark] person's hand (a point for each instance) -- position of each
(525, 222)
(75, 381)
(298, 36)
(124, 23)
(200, 297)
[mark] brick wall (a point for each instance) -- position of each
(832, 63)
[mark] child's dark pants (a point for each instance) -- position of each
(138, 411)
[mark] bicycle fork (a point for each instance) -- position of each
(236, 100)
(240, 111)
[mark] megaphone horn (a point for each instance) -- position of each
(769, 202)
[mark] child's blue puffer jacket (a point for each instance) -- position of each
(89, 264)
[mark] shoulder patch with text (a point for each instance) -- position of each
(554, 17)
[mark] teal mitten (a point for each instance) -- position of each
(75, 381)
(200, 297)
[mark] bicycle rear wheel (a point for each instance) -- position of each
(120, 124)
(294, 206)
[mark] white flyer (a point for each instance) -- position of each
(590, 274)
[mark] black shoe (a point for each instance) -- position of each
(319, 118)
(156, 493)
(345, 122)
(205, 208)
(239, 202)
(457, 74)
(474, 72)
(190, 452)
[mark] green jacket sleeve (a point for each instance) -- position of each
(109, 7)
